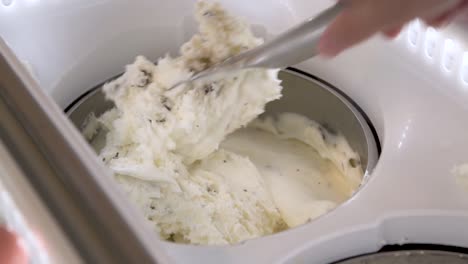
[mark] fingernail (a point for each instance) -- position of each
(392, 34)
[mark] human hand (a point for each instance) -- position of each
(363, 18)
(11, 252)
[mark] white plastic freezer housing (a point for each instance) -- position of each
(414, 89)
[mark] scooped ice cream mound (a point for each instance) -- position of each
(196, 160)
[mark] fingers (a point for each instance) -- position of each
(448, 16)
(393, 32)
(437, 22)
(11, 251)
(363, 18)
(355, 23)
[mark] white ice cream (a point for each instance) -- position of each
(300, 163)
(166, 147)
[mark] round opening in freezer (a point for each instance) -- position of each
(318, 116)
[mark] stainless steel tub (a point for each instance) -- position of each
(302, 93)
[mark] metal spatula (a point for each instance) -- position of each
(294, 46)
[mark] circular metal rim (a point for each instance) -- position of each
(370, 134)
(399, 254)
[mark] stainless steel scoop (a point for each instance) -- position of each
(294, 46)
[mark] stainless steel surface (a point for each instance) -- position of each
(410, 257)
(289, 48)
(323, 103)
(68, 180)
(301, 94)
